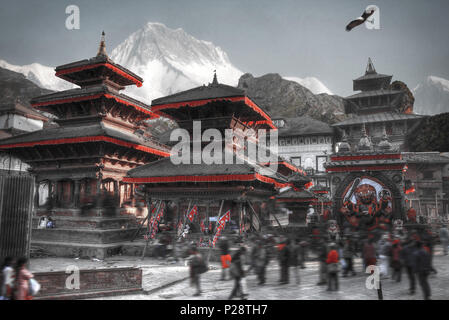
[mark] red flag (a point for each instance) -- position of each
(225, 218)
(192, 213)
(203, 227)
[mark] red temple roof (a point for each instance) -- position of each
(89, 93)
(173, 106)
(80, 71)
(80, 134)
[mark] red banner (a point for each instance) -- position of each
(192, 213)
(156, 220)
(221, 225)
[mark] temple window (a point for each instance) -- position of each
(322, 183)
(308, 163)
(320, 161)
(296, 161)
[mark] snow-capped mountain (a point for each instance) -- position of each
(171, 60)
(311, 83)
(432, 96)
(41, 75)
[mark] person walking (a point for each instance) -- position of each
(369, 253)
(6, 278)
(332, 268)
(384, 253)
(237, 273)
(284, 260)
(423, 267)
(408, 257)
(303, 253)
(197, 267)
(396, 263)
(225, 257)
(21, 281)
(348, 254)
(294, 257)
(322, 256)
(261, 261)
(444, 238)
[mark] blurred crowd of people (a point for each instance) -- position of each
(391, 253)
(15, 280)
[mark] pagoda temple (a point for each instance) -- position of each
(241, 188)
(378, 105)
(79, 165)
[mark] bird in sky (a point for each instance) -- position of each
(354, 23)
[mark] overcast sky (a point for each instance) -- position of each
(290, 37)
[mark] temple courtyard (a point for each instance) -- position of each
(165, 281)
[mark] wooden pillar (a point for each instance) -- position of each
(76, 194)
(98, 195)
(116, 193)
(53, 193)
(178, 213)
(36, 194)
(131, 195)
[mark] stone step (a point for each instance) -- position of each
(89, 236)
(93, 212)
(91, 222)
(78, 250)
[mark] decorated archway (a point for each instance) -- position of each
(373, 194)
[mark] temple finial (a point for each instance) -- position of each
(384, 143)
(370, 67)
(365, 142)
(215, 81)
(102, 48)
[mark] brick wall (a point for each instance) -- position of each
(95, 280)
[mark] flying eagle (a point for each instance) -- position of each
(354, 23)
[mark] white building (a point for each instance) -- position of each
(307, 143)
(17, 118)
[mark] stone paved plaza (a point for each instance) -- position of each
(177, 286)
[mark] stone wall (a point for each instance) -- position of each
(94, 282)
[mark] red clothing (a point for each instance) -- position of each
(225, 261)
(396, 252)
(332, 257)
(369, 254)
(22, 290)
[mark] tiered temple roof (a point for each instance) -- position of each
(94, 114)
(222, 107)
(375, 95)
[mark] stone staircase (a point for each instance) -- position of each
(94, 235)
